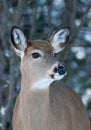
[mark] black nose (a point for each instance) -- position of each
(61, 70)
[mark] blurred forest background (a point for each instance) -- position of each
(38, 19)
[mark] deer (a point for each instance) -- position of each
(42, 104)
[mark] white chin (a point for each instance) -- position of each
(42, 84)
(58, 77)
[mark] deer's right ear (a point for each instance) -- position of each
(18, 40)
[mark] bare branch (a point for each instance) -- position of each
(69, 13)
(83, 18)
(34, 14)
(74, 35)
(18, 13)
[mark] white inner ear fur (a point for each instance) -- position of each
(59, 38)
(19, 37)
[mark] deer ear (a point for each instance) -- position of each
(59, 39)
(18, 40)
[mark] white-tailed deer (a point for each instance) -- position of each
(43, 104)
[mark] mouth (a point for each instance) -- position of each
(57, 76)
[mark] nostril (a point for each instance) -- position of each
(55, 70)
(61, 70)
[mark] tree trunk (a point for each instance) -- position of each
(7, 121)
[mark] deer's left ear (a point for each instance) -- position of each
(59, 39)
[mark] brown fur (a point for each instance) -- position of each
(42, 110)
(43, 45)
(54, 108)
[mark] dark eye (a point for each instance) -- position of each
(36, 55)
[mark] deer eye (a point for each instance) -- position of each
(36, 55)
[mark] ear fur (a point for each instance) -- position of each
(18, 40)
(59, 39)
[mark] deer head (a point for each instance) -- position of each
(38, 62)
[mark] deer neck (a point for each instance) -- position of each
(29, 95)
(33, 105)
